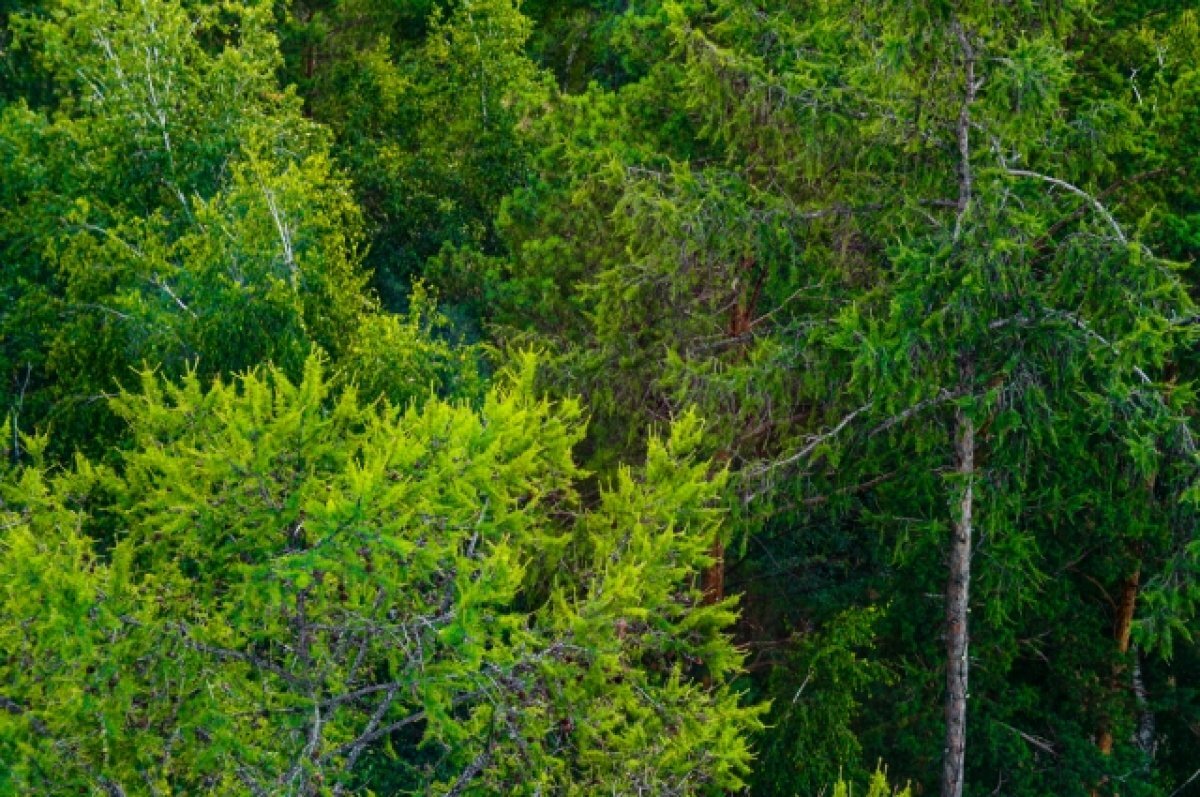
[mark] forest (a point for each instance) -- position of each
(600, 397)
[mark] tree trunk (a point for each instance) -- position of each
(1122, 626)
(958, 583)
(740, 325)
(958, 591)
(714, 576)
(1144, 736)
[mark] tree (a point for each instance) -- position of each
(922, 268)
(428, 104)
(173, 207)
(878, 247)
(283, 590)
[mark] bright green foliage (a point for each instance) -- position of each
(172, 208)
(877, 786)
(412, 356)
(282, 591)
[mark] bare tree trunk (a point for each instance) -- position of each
(958, 584)
(1122, 626)
(958, 593)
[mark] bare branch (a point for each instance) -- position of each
(1063, 184)
(1185, 784)
(281, 226)
(1111, 189)
(111, 787)
(361, 743)
(367, 738)
(813, 443)
(162, 284)
(237, 655)
(942, 397)
(470, 773)
(1036, 741)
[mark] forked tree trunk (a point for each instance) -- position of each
(958, 592)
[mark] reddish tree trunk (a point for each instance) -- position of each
(713, 581)
(1122, 626)
(740, 323)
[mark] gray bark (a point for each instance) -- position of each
(958, 593)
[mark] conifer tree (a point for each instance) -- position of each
(281, 590)
(877, 246)
(924, 271)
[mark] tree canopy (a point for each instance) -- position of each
(691, 397)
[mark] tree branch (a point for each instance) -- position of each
(1063, 184)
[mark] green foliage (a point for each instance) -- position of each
(876, 786)
(410, 357)
(789, 256)
(280, 582)
(828, 677)
(772, 218)
(175, 208)
(427, 103)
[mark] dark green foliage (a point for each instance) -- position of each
(427, 103)
(771, 221)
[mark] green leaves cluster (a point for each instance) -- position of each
(285, 590)
(172, 206)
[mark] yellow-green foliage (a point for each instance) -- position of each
(877, 786)
(281, 589)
